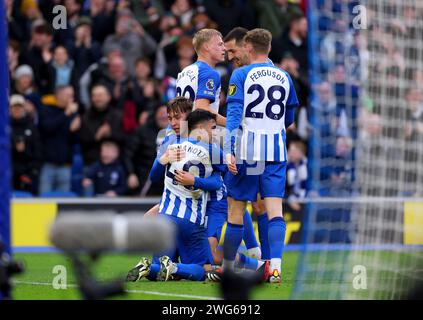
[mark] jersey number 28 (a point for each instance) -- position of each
(273, 101)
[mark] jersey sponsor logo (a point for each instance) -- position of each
(232, 89)
(210, 84)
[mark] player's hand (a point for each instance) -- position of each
(231, 163)
(176, 154)
(184, 178)
(164, 159)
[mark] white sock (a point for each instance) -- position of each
(254, 252)
(175, 269)
(275, 263)
(260, 263)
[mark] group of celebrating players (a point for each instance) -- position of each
(207, 186)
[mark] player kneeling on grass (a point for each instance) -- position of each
(189, 175)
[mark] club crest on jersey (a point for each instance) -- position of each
(232, 89)
(210, 84)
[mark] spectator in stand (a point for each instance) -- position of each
(414, 128)
(294, 40)
(63, 69)
(26, 147)
(296, 175)
(291, 65)
(23, 80)
(38, 56)
(92, 75)
(142, 91)
(229, 14)
(146, 12)
(13, 53)
(131, 37)
(106, 176)
(341, 177)
(116, 79)
(274, 15)
(84, 50)
(23, 85)
(17, 24)
(326, 130)
(200, 20)
(413, 133)
(183, 10)
(101, 121)
(103, 16)
(30, 10)
(184, 57)
(59, 122)
(150, 101)
(141, 151)
(170, 32)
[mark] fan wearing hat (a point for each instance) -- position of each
(25, 145)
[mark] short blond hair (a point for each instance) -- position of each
(260, 39)
(202, 36)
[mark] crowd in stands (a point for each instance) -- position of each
(88, 100)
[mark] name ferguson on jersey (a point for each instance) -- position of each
(267, 73)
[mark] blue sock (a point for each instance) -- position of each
(277, 228)
(233, 238)
(264, 236)
(247, 262)
(154, 270)
(249, 236)
(193, 272)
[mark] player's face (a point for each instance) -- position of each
(236, 54)
(176, 119)
(209, 128)
(204, 132)
(217, 49)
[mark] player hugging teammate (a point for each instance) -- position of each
(204, 197)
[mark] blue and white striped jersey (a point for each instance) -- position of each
(259, 96)
(188, 202)
(199, 81)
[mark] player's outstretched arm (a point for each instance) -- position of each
(211, 183)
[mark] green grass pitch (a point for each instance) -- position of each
(36, 283)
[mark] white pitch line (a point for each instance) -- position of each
(157, 293)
